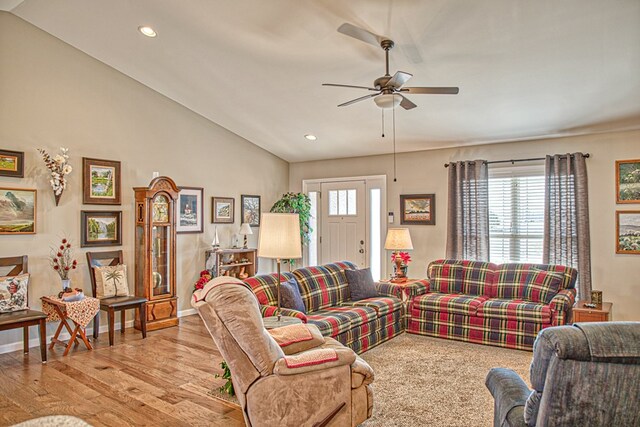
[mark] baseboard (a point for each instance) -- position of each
(35, 342)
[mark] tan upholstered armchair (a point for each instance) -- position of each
(306, 380)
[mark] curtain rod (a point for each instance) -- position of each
(446, 165)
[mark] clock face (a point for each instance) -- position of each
(160, 209)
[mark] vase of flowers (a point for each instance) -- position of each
(59, 168)
(62, 262)
(205, 276)
(401, 262)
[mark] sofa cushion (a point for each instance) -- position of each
(511, 277)
(513, 309)
(445, 276)
(541, 285)
(264, 287)
(382, 305)
(449, 303)
(290, 296)
(323, 286)
(333, 321)
(361, 284)
(478, 278)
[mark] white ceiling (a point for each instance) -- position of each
(526, 69)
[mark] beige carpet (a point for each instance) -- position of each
(424, 381)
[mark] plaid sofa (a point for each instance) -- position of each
(359, 325)
(504, 305)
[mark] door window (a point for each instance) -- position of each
(343, 202)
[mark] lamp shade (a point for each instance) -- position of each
(398, 239)
(245, 228)
(279, 236)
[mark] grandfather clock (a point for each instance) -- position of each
(156, 252)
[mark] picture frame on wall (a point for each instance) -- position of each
(190, 210)
(418, 209)
(101, 182)
(628, 232)
(18, 210)
(12, 163)
(250, 212)
(628, 181)
(222, 210)
(100, 228)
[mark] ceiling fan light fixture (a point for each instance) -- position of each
(388, 100)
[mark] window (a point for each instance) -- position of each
(375, 243)
(342, 202)
(313, 223)
(516, 214)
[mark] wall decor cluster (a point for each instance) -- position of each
(222, 210)
(18, 207)
(628, 192)
(101, 228)
(12, 163)
(250, 212)
(190, 210)
(100, 182)
(418, 209)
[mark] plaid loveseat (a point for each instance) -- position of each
(359, 325)
(504, 305)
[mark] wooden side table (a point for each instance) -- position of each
(78, 313)
(587, 314)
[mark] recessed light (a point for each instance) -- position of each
(311, 137)
(147, 31)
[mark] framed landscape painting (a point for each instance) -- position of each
(250, 210)
(190, 210)
(628, 232)
(628, 181)
(100, 182)
(101, 228)
(12, 163)
(222, 210)
(418, 209)
(18, 208)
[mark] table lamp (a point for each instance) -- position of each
(245, 230)
(279, 239)
(398, 239)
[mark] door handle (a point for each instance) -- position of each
(361, 251)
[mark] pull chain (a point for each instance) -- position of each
(394, 145)
(382, 122)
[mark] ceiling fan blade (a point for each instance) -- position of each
(355, 87)
(362, 98)
(361, 34)
(406, 104)
(432, 90)
(398, 79)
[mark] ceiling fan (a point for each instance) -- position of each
(388, 89)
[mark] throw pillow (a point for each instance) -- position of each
(111, 281)
(446, 278)
(290, 296)
(541, 285)
(13, 293)
(361, 284)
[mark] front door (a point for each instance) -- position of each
(344, 236)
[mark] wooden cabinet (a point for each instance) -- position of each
(155, 252)
(587, 314)
(232, 262)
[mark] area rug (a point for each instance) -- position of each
(425, 381)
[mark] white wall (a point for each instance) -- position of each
(53, 95)
(618, 276)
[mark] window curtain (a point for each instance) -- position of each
(566, 218)
(468, 211)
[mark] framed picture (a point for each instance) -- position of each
(418, 209)
(100, 182)
(12, 163)
(100, 228)
(18, 207)
(628, 232)
(222, 210)
(190, 210)
(628, 181)
(250, 212)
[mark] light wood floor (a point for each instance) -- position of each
(162, 380)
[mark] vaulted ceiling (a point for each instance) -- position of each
(526, 69)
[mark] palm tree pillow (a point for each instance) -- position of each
(111, 281)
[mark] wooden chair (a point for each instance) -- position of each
(113, 304)
(24, 318)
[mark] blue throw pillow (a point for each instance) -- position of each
(290, 296)
(361, 284)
